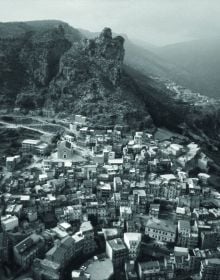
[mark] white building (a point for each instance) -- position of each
(161, 230)
(117, 252)
(182, 258)
(9, 222)
(125, 212)
(80, 119)
(73, 213)
(29, 145)
(132, 241)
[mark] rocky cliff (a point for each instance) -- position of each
(29, 58)
(55, 68)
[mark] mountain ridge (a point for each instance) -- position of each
(200, 59)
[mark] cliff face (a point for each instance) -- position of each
(30, 59)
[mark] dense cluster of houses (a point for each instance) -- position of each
(114, 191)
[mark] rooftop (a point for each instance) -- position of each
(50, 264)
(115, 161)
(25, 246)
(181, 251)
(30, 141)
(151, 265)
(108, 232)
(86, 226)
(164, 225)
(78, 236)
(132, 236)
(183, 225)
(213, 261)
(117, 244)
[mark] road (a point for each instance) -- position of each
(12, 125)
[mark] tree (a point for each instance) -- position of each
(26, 101)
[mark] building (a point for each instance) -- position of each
(62, 251)
(154, 210)
(197, 256)
(169, 265)
(111, 233)
(140, 199)
(41, 149)
(72, 213)
(117, 184)
(150, 270)
(45, 269)
(89, 243)
(78, 238)
(184, 231)
(181, 213)
(28, 249)
(4, 247)
(11, 162)
(130, 271)
(117, 252)
(210, 269)
(65, 150)
(125, 212)
(133, 241)
(208, 239)
(161, 230)
(9, 222)
(80, 274)
(182, 258)
(80, 119)
(105, 190)
(29, 145)
(69, 138)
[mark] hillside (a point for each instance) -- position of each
(183, 113)
(200, 59)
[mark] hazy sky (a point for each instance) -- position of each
(155, 21)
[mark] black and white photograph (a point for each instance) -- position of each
(109, 140)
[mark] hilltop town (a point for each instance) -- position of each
(79, 202)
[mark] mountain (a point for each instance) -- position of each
(200, 59)
(48, 66)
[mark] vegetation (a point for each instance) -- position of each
(11, 140)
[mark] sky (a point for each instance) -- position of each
(158, 22)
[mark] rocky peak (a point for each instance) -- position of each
(106, 34)
(109, 54)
